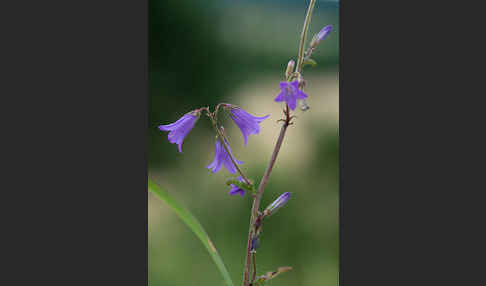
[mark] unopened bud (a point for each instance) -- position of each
(278, 203)
(303, 105)
(323, 33)
(290, 68)
(254, 243)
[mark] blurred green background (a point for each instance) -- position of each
(205, 52)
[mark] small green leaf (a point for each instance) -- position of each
(194, 225)
(310, 62)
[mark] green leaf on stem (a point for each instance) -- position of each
(311, 62)
(194, 225)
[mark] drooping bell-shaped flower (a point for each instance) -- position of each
(290, 92)
(221, 158)
(179, 129)
(237, 190)
(247, 123)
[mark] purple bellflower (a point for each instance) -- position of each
(289, 93)
(221, 158)
(179, 129)
(247, 123)
(236, 190)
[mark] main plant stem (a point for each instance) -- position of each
(258, 197)
(261, 187)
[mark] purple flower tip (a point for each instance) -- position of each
(323, 33)
(236, 190)
(179, 129)
(221, 158)
(278, 203)
(290, 92)
(247, 123)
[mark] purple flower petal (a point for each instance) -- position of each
(221, 158)
(301, 94)
(292, 103)
(179, 129)
(289, 93)
(247, 123)
(280, 97)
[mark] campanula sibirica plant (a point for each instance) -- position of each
(291, 92)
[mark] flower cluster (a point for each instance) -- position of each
(247, 123)
(290, 92)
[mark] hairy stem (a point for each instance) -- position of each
(261, 187)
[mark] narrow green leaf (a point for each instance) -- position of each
(194, 225)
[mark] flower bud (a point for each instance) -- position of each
(290, 68)
(323, 33)
(254, 243)
(304, 106)
(278, 203)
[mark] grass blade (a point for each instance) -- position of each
(194, 225)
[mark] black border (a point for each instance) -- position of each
(75, 194)
(405, 141)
